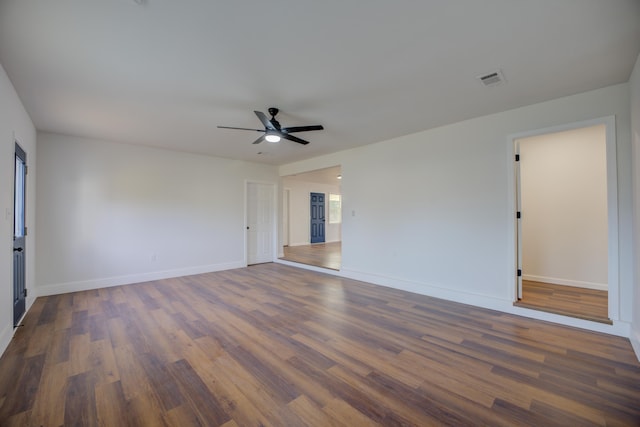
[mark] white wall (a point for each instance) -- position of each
(434, 210)
(564, 205)
(112, 213)
(634, 83)
(15, 124)
(299, 210)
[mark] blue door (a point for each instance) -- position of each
(317, 217)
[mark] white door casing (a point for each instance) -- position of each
(612, 206)
(260, 222)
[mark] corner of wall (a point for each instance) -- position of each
(634, 89)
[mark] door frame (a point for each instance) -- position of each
(19, 152)
(274, 222)
(612, 206)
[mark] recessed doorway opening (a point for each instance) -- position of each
(312, 218)
(566, 221)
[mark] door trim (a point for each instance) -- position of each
(612, 206)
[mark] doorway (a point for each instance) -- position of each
(260, 225)
(564, 207)
(19, 234)
(297, 246)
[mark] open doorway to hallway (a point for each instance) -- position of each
(302, 220)
(563, 222)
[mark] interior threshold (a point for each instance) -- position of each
(564, 313)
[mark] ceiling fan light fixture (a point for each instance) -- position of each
(272, 138)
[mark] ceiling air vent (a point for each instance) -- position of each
(494, 78)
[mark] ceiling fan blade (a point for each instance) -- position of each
(259, 140)
(294, 139)
(302, 128)
(229, 127)
(265, 121)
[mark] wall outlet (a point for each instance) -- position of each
(8, 214)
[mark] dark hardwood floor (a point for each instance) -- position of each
(589, 304)
(325, 255)
(273, 345)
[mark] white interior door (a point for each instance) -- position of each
(260, 223)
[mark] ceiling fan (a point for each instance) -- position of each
(273, 132)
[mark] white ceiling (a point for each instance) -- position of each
(166, 73)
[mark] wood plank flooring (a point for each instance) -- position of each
(570, 301)
(273, 345)
(582, 303)
(325, 255)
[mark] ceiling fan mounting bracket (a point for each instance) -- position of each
(273, 111)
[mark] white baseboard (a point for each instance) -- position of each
(427, 289)
(85, 285)
(565, 282)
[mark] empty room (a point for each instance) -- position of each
(319, 213)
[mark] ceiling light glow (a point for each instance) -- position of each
(272, 138)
